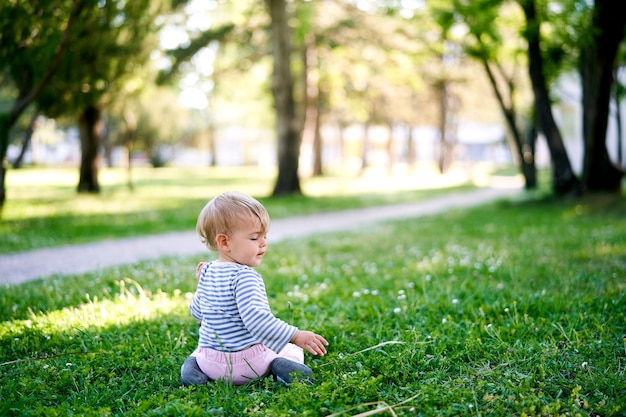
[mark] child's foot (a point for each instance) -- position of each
(286, 371)
(190, 373)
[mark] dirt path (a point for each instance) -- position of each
(75, 259)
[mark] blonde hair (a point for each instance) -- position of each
(223, 213)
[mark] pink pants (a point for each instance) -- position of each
(241, 367)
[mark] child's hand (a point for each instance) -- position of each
(310, 341)
(199, 269)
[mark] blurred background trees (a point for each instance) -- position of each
(306, 86)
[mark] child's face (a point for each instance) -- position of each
(246, 245)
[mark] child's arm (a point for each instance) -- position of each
(310, 341)
(199, 269)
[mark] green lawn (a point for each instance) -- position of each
(513, 308)
(44, 210)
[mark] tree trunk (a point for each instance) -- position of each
(311, 128)
(618, 127)
(525, 149)
(129, 137)
(341, 130)
(212, 146)
(89, 127)
(389, 149)
(6, 121)
(527, 154)
(563, 179)
(442, 160)
(318, 166)
(365, 147)
(19, 161)
(410, 148)
(288, 181)
(597, 64)
(618, 122)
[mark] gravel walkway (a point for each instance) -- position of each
(76, 259)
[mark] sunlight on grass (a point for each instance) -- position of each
(41, 192)
(424, 176)
(24, 179)
(95, 314)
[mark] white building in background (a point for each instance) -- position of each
(568, 115)
(50, 145)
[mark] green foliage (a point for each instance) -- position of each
(184, 54)
(514, 308)
(32, 31)
(111, 42)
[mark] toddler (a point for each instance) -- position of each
(240, 339)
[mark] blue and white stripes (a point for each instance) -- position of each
(232, 304)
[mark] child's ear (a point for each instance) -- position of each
(222, 241)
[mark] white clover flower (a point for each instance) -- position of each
(444, 321)
(356, 294)
(397, 310)
(455, 301)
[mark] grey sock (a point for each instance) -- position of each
(190, 373)
(285, 371)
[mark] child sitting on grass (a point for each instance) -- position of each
(240, 338)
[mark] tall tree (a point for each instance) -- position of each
(33, 42)
(114, 40)
(491, 25)
(564, 180)
(597, 65)
(307, 38)
(287, 126)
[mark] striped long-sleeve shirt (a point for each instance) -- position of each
(231, 303)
